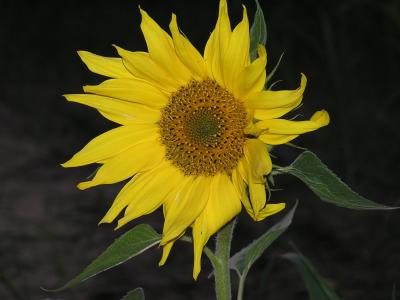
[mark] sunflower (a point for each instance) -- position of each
(194, 129)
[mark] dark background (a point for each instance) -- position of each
(349, 50)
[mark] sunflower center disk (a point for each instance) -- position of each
(202, 128)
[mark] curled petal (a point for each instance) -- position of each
(279, 131)
(276, 99)
(258, 162)
(252, 78)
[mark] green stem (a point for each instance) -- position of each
(241, 287)
(221, 267)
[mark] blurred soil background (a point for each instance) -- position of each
(350, 52)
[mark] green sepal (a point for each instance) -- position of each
(326, 185)
(270, 75)
(316, 285)
(242, 261)
(130, 244)
(136, 294)
(258, 31)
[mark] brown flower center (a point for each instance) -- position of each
(202, 129)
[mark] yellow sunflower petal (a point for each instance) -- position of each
(252, 79)
(256, 187)
(258, 196)
(273, 113)
(217, 44)
(187, 53)
(236, 57)
(269, 210)
(142, 66)
(256, 206)
(277, 139)
(167, 249)
(138, 158)
(252, 168)
(125, 195)
(286, 127)
(258, 160)
(276, 99)
(146, 193)
(240, 185)
(132, 90)
(185, 207)
(107, 66)
(111, 143)
(238, 181)
(161, 49)
(118, 111)
(223, 205)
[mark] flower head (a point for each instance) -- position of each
(193, 131)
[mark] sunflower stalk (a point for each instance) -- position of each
(221, 264)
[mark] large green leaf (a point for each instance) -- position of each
(258, 31)
(242, 261)
(326, 185)
(136, 294)
(317, 287)
(130, 244)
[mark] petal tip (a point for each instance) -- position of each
(196, 274)
(67, 96)
(82, 53)
(104, 220)
(119, 225)
(118, 48)
(144, 15)
(87, 88)
(85, 185)
(322, 117)
(303, 80)
(161, 263)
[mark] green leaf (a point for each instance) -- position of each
(242, 261)
(136, 294)
(317, 287)
(270, 75)
(258, 31)
(130, 244)
(326, 185)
